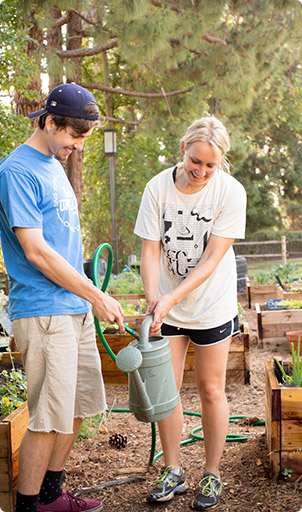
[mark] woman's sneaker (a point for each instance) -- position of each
(166, 485)
(209, 492)
(69, 503)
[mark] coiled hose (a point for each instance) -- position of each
(193, 436)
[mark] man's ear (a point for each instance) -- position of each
(49, 124)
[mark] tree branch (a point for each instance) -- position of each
(159, 4)
(212, 39)
(84, 17)
(161, 86)
(86, 52)
(123, 92)
(63, 20)
(122, 121)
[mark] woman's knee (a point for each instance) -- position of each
(211, 392)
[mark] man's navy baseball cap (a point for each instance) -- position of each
(68, 100)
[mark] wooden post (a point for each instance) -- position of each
(283, 249)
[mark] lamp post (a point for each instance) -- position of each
(110, 151)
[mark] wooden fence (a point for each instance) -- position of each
(263, 249)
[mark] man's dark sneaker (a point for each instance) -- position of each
(209, 492)
(69, 503)
(166, 485)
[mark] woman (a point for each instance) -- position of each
(189, 217)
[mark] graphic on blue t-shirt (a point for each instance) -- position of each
(189, 229)
(65, 201)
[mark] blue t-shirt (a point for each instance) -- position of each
(35, 193)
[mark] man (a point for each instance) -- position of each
(51, 318)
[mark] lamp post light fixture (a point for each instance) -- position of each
(110, 151)
(109, 142)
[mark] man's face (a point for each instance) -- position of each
(62, 142)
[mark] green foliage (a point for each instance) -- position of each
(286, 271)
(126, 282)
(240, 311)
(14, 130)
(16, 66)
(296, 377)
(13, 389)
(291, 304)
(249, 76)
(287, 473)
(89, 428)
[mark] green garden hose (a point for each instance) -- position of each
(194, 437)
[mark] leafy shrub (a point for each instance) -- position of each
(126, 282)
(286, 272)
(13, 389)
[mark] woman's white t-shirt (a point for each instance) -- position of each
(183, 223)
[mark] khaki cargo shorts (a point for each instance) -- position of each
(63, 368)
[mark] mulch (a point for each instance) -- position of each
(120, 478)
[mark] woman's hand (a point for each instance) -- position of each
(159, 309)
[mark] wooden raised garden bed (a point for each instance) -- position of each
(272, 326)
(259, 293)
(283, 425)
(238, 368)
(12, 430)
(287, 293)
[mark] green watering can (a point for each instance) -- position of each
(153, 394)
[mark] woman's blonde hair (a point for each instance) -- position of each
(209, 129)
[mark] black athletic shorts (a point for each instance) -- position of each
(204, 336)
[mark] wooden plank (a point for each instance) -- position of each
(291, 404)
(4, 440)
(19, 421)
(275, 462)
(6, 360)
(292, 461)
(129, 297)
(287, 294)
(6, 502)
(5, 475)
(235, 377)
(291, 435)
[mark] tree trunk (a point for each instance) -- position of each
(23, 106)
(54, 40)
(74, 166)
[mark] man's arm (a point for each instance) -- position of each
(58, 270)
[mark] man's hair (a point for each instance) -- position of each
(79, 125)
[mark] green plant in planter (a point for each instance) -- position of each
(286, 271)
(13, 389)
(240, 312)
(126, 282)
(296, 377)
(291, 304)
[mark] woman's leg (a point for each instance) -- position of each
(170, 429)
(210, 374)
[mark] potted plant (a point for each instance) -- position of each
(283, 422)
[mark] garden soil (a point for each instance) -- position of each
(119, 477)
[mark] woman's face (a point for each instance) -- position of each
(200, 163)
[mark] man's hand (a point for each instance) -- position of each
(107, 309)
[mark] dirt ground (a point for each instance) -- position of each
(119, 477)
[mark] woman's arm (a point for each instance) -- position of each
(150, 274)
(215, 250)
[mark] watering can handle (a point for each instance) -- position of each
(144, 333)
